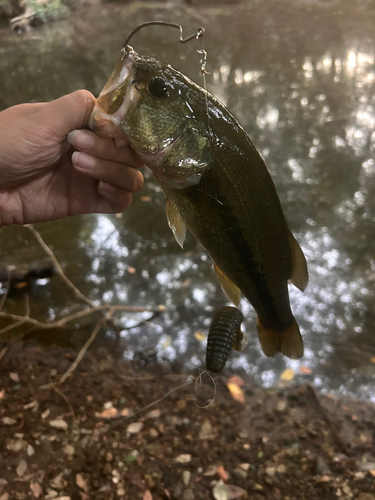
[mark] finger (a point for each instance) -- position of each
(118, 174)
(107, 149)
(119, 199)
(71, 111)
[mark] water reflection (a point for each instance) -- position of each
(306, 97)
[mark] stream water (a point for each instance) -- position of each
(301, 80)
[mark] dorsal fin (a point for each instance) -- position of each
(300, 275)
(232, 291)
(175, 223)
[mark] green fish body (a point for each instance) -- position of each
(216, 184)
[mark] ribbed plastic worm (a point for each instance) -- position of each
(225, 333)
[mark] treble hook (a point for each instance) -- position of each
(199, 33)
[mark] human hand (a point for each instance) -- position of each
(42, 179)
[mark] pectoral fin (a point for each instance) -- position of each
(175, 223)
(232, 291)
(299, 276)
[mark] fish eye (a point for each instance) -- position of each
(158, 87)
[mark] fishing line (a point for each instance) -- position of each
(202, 53)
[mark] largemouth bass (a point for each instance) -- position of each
(216, 185)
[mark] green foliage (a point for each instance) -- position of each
(47, 10)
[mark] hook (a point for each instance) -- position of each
(199, 33)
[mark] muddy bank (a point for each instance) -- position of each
(99, 436)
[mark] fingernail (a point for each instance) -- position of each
(107, 188)
(120, 143)
(83, 161)
(81, 139)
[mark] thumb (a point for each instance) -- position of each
(71, 111)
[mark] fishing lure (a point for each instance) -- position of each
(225, 333)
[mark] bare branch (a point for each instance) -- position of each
(67, 281)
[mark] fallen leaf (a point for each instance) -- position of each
(147, 495)
(125, 412)
(236, 392)
(82, 483)
(135, 427)
(131, 270)
(236, 380)
(2, 393)
(57, 482)
(200, 336)
(59, 424)
(184, 458)
(372, 472)
(372, 360)
(21, 469)
(8, 421)
(223, 491)
(166, 342)
(14, 376)
(145, 198)
(287, 375)
(212, 469)
(36, 489)
(162, 307)
(305, 370)
(109, 413)
(222, 473)
(5, 496)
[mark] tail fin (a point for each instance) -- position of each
(287, 341)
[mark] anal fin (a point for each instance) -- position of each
(229, 288)
(300, 275)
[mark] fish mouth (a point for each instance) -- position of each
(109, 110)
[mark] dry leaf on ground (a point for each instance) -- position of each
(147, 495)
(287, 375)
(36, 489)
(236, 392)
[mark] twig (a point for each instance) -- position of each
(60, 393)
(119, 422)
(12, 326)
(5, 295)
(81, 353)
(58, 267)
(63, 321)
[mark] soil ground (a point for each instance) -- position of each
(98, 435)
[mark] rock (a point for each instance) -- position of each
(153, 414)
(206, 431)
(281, 469)
(52, 494)
(16, 444)
(188, 495)
(270, 471)
(184, 458)
(21, 469)
(322, 467)
(59, 424)
(46, 413)
(282, 405)
(258, 487)
(30, 450)
(135, 427)
(240, 473)
(8, 421)
(186, 475)
(69, 450)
